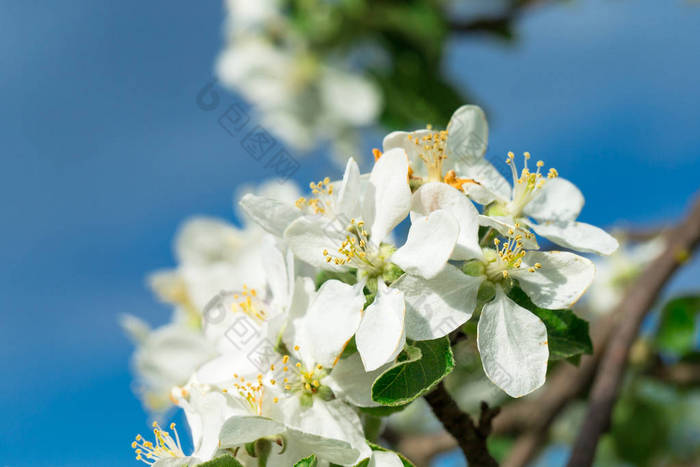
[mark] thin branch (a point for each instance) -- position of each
(638, 299)
(470, 437)
(497, 24)
(679, 374)
(566, 384)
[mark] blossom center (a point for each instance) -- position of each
(526, 185)
(358, 252)
(165, 445)
(507, 256)
(431, 150)
(249, 303)
(322, 200)
(251, 392)
(300, 379)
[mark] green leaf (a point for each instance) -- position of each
(310, 461)
(567, 334)
(677, 325)
(225, 461)
(425, 363)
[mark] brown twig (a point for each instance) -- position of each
(566, 384)
(470, 437)
(531, 418)
(680, 374)
(497, 24)
(638, 299)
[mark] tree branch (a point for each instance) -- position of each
(471, 438)
(638, 299)
(498, 24)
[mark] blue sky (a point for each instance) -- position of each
(104, 153)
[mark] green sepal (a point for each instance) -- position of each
(310, 461)
(224, 461)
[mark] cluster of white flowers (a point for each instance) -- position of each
(281, 328)
(301, 97)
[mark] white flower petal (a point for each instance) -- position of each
(308, 237)
(468, 133)
(272, 215)
(203, 238)
(513, 346)
(206, 413)
(278, 265)
(388, 196)
(332, 319)
(561, 280)
(349, 381)
(381, 334)
(329, 449)
(558, 200)
(578, 236)
(239, 430)
(433, 196)
(385, 459)
(332, 421)
(220, 370)
(349, 192)
(486, 174)
(479, 193)
(431, 241)
(438, 306)
(349, 99)
(399, 139)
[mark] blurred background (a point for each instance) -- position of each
(106, 150)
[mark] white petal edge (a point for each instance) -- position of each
(578, 236)
(558, 200)
(430, 243)
(559, 283)
(308, 237)
(245, 429)
(436, 307)
(272, 215)
(385, 459)
(434, 196)
(333, 317)
(513, 346)
(468, 133)
(388, 196)
(381, 334)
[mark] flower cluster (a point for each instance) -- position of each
(302, 96)
(283, 330)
